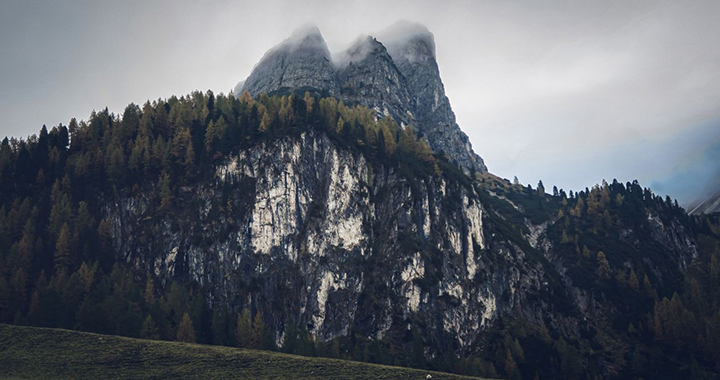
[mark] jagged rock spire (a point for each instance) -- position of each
(302, 60)
(395, 74)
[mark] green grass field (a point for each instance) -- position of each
(32, 352)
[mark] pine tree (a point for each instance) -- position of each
(182, 149)
(149, 292)
(165, 192)
(510, 365)
(5, 297)
(633, 281)
(62, 248)
(219, 326)
(149, 329)
(258, 332)
(244, 330)
(186, 331)
(592, 202)
(603, 267)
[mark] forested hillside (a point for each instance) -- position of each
(612, 281)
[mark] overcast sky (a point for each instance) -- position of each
(569, 92)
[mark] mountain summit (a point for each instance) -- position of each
(395, 74)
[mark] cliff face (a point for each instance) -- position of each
(302, 60)
(401, 81)
(306, 230)
(412, 48)
(708, 205)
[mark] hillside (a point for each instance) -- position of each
(312, 225)
(31, 352)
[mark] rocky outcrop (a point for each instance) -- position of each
(303, 229)
(309, 232)
(369, 77)
(401, 81)
(412, 48)
(709, 205)
(301, 61)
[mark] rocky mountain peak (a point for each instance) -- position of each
(369, 76)
(307, 37)
(302, 60)
(395, 74)
(358, 50)
(409, 42)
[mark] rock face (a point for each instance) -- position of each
(412, 48)
(303, 228)
(303, 60)
(369, 77)
(398, 77)
(306, 230)
(708, 205)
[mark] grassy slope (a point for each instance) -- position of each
(32, 352)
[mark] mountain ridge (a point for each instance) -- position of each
(299, 222)
(414, 97)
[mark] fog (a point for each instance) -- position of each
(569, 92)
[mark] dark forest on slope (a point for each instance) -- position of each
(656, 311)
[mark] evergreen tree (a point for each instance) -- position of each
(186, 331)
(603, 267)
(510, 365)
(633, 281)
(166, 196)
(244, 329)
(258, 332)
(219, 325)
(149, 330)
(62, 248)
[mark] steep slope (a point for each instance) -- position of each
(303, 223)
(412, 48)
(302, 60)
(708, 205)
(341, 234)
(402, 82)
(342, 249)
(369, 77)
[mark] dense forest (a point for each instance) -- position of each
(58, 267)
(57, 264)
(658, 321)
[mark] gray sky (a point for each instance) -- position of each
(569, 92)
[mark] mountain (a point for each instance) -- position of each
(708, 205)
(303, 222)
(402, 81)
(302, 60)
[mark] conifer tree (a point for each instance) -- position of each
(510, 365)
(258, 331)
(186, 331)
(244, 329)
(603, 267)
(633, 281)
(62, 248)
(149, 329)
